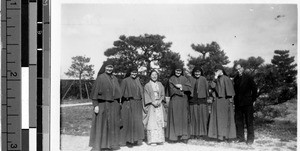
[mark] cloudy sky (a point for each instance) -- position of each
(242, 30)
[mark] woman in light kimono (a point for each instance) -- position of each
(154, 93)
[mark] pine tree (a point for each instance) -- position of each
(81, 70)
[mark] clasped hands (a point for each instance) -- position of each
(156, 103)
(96, 109)
(179, 86)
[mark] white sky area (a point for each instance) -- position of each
(241, 30)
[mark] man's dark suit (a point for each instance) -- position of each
(246, 92)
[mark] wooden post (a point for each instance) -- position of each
(86, 89)
(68, 90)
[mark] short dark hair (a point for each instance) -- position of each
(153, 70)
(236, 64)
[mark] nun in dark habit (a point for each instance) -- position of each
(222, 124)
(132, 132)
(177, 123)
(199, 112)
(106, 121)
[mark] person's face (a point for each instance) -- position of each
(178, 72)
(239, 69)
(218, 72)
(109, 69)
(133, 74)
(197, 74)
(154, 76)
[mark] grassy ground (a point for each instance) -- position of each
(76, 120)
(283, 125)
(279, 133)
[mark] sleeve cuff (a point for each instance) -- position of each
(95, 103)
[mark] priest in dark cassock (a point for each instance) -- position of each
(246, 94)
(132, 132)
(222, 124)
(177, 123)
(199, 112)
(106, 120)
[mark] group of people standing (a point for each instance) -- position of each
(127, 113)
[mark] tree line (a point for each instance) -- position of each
(276, 81)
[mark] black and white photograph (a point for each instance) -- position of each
(175, 76)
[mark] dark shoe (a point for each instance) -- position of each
(138, 143)
(159, 143)
(106, 149)
(185, 141)
(250, 142)
(129, 145)
(172, 141)
(115, 148)
(205, 138)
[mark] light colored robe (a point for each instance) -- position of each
(154, 118)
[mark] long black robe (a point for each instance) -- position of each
(105, 130)
(177, 127)
(132, 111)
(222, 124)
(199, 112)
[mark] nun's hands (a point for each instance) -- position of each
(179, 86)
(156, 103)
(96, 109)
(210, 100)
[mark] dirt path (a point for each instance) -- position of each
(263, 142)
(78, 104)
(80, 143)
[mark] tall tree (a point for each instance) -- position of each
(286, 75)
(80, 69)
(141, 51)
(210, 56)
(285, 65)
(276, 82)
